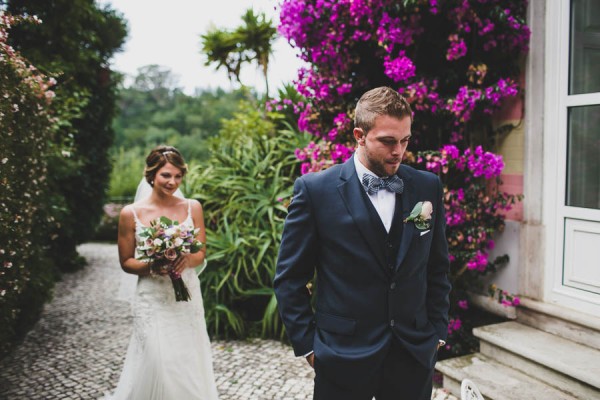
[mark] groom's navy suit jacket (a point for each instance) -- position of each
(371, 287)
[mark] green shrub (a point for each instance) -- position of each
(76, 42)
(244, 188)
(26, 130)
(107, 229)
(127, 171)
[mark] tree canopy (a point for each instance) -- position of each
(73, 44)
(250, 42)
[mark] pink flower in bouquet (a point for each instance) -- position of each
(170, 254)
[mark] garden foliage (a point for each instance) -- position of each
(55, 111)
(456, 62)
(74, 44)
(154, 111)
(244, 189)
(26, 131)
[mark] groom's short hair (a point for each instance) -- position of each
(380, 101)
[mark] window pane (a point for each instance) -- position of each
(583, 157)
(585, 47)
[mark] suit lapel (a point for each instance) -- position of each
(350, 191)
(408, 201)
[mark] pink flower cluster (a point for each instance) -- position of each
(30, 75)
(468, 99)
(457, 49)
(479, 262)
(502, 89)
(503, 297)
(454, 324)
(505, 29)
(422, 96)
(344, 40)
(394, 31)
(479, 162)
(341, 125)
(318, 156)
(280, 105)
(484, 163)
(400, 69)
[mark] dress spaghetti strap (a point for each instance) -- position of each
(135, 217)
(189, 214)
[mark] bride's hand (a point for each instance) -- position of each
(159, 268)
(181, 263)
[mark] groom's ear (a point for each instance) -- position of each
(359, 135)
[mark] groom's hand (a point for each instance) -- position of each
(311, 359)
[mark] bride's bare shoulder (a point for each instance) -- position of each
(126, 216)
(140, 205)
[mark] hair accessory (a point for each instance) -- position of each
(164, 153)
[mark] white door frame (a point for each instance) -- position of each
(555, 212)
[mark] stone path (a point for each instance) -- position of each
(77, 349)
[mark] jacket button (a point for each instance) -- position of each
(393, 285)
(392, 323)
(390, 245)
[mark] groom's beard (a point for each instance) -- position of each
(382, 167)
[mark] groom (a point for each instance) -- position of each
(374, 232)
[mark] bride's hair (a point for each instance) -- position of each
(157, 159)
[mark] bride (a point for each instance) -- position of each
(169, 355)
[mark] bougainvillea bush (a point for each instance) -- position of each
(456, 62)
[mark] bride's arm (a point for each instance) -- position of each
(126, 244)
(194, 259)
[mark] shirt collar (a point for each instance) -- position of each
(361, 170)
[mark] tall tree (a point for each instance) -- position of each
(74, 43)
(250, 42)
(257, 34)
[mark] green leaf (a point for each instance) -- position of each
(416, 211)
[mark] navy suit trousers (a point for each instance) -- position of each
(400, 377)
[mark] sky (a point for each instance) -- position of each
(168, 34)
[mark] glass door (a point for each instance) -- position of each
(578, 244)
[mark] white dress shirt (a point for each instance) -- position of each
(384, 201)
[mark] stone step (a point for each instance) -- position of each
(559, 362)
(566, 323)
(496, 381)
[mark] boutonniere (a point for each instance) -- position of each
(421, 214)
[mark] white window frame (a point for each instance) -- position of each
(557, 103)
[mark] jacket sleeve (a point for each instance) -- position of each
(438, 267)
(295, 268)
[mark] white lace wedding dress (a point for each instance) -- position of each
(169, 355)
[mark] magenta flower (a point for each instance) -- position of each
(457, 49)
(400, 69)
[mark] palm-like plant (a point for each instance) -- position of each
(250, 42)
(257, 35)
(221, 48)
(244, 188)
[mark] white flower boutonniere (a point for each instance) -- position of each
(421, 214)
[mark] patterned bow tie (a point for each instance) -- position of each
(374, 184)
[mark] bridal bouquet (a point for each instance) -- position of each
(162, 243)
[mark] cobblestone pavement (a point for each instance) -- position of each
(77, 348)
